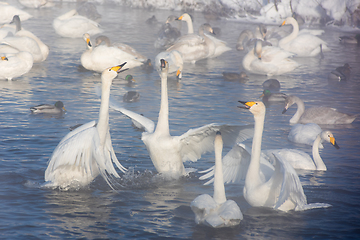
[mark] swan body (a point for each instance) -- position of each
(303, 45)
(319, 115)
(195, 47)
(87, 151)
(35, 3)
(216, 211)
(268, 60)
(73, 25)
(301, 160)
(304, 133)
(15, 65)
(103, 56)
(220, 46)
(174, 59)
(26, 41)
(283, 190)
(7, 12)
(57, 108)
(169, 152)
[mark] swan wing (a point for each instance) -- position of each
(201, 140)
(291, 188)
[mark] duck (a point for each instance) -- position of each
(73, 25)
(283, 190)
(87, 151)
(232, 76)
(268, 96)
(167, 152)
(7, 12)
(305, 133)
(216, 211)
(57, 108)
(24, 40)
(303, 45)
(195, 47)
(271, 84)
(105, 55)
(15, 65)
(301, 160)
(175, 61)
(350, 39)
(131, 96)
(319, 115)
(268, 60)
(168, 34)
(340, 73)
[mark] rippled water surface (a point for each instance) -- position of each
(146, 206)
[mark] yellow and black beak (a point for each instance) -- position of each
(179, 18)
(247, 105)
(333, 142)
(118, 68)
(4, 58)
(283, 23)
(162, 63)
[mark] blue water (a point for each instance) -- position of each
(146, 206)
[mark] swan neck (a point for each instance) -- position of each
(299, 112)
(103, 123)
(253, 173)
(163, 121)
(190, 26)
(319, 163)
(292, 35)
(219, 188)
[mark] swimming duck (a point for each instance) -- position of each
(57, 108)
(131, 96)
(340, 73)
(232, 76)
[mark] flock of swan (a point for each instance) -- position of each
(268, 176)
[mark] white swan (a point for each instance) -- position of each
(283, 190)
(174, 59)
(268, 60)
(195, 47)
(36, 3)
(220, 45)
(247, 38)
(303, 45)
(305, 133)
(24, 40)
(57, 108)
(7, 12)
(186, 18)
(301, 160)
(15, 65)
(169, 152)
(87, 151)
(103, 56)
(319, 115)
(73, 25)
(216, 211)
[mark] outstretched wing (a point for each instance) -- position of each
(201, 140)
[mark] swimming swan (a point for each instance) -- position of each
(216, 211)
(15, 65)
(169, 152)
(175, 61)
(7, 12)
(103, 56)
(319, 115)
(303, 45)
(268, 60)
(73, 25)
(283, 190)
(301, 160)
(305, 133)
(87, 151)
(24, 40)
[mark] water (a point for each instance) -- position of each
(148, 207)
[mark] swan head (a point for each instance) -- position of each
(164, 66)
(289, 101)
(185, 17)
(255, 107)
(289, 20)
(329, 137)
(206, 27)
(102, 39)
(110, 73)
(218, 142)
(86, 37)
